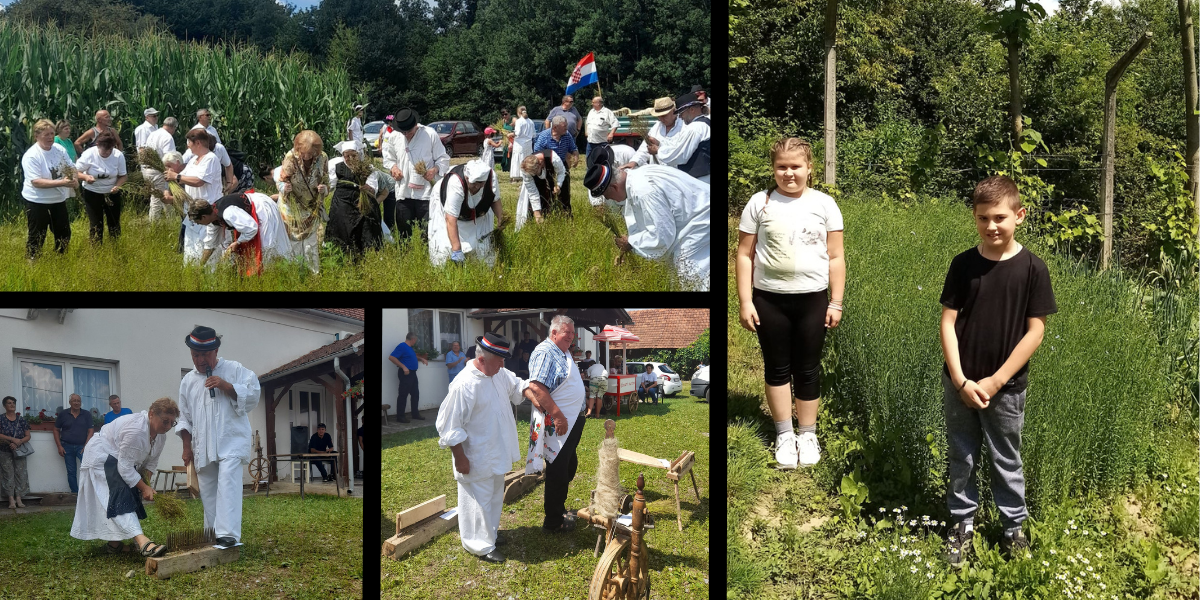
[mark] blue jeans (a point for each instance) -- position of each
(73, 452)
(652, 392)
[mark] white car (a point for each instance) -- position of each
(700, 383)
(668, 380)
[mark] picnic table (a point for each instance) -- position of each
(306, 458)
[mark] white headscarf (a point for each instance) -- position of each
(476, 171)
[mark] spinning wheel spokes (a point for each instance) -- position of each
(611, 576)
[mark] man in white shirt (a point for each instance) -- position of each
(354, 128)
(416, 146)
(162, 140)
(460, 217)
(476, 423)
(690, 149)
(648, 384)
(215, 401)
(204, 116)
(600, 126)
(668, 125)
(666, 212)
(143, 131)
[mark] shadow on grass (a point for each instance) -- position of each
(749, 408)
(387, 527)
(533, 545)
(403, 438)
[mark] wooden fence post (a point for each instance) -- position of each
(830, 91)
(1110, 128)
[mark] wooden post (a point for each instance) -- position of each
(830, 92)
(190, 561)
(1109, 141)
(1191, 110)
(270, 396)
(1014, 81)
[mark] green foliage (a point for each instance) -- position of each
(83, 17)
(1173, 228)
(683, 361)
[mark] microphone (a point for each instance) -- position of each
(212, 392)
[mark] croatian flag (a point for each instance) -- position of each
(584, 75)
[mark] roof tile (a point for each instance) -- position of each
(667, 327)
(319, 353)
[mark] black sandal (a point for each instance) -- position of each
(158, 550)
(111, 549)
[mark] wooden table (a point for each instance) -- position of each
(305, 459)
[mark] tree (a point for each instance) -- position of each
(344, 51)
(1013, 26)
(1187, 36)
(84, 17)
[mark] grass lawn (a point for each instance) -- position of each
(293, 548)
(1110, 446)
(559, 254)
(543, 565)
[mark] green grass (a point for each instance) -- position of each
(292, 548)
(1105, 417)
(543, 565)
(560, 254)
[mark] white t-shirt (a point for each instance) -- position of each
(790, 255)
(207, 168)
(210, 130)
(44, 164)
(222, 155)
(356, 131)
(161, 141)
(596, 370)
(105, 170)
(599, 123)
(142, 133)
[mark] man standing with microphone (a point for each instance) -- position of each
(215, 429)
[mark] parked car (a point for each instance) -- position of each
(460, 137)
(700, 383)
(371, 133)
(668, 380)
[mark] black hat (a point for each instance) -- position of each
(697, 88)
(685, 101)
(604, 156)
(496, 344)
(406, 119)
(203, 339)
(598, 177)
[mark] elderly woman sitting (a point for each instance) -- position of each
(111, 483)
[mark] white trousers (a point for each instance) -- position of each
(221, 493)
(479, 506)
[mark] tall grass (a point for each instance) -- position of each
(747, 462)
(260, 101)
(559, 254)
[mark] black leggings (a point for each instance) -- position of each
(791, 331)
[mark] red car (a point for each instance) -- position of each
(460, 137)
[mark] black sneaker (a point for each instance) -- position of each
(958, 544)
(1012, 546)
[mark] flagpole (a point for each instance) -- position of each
(598, 91)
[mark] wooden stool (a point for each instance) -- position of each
(385, 409)
(675, 470)
(170, 479)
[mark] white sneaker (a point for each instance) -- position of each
(809, 453)
(785, 451)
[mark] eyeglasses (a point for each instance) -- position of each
(173, 422)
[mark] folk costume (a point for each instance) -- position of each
(689, 151)
(109, 505)
(477, 413)
(522, 144)
(354, 223)
(252, 219)
(474, 213)
(536, 190)
(302, 207)
(220, 429)
(550, 450)
(413, 192)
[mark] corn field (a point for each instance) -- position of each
(259, 102)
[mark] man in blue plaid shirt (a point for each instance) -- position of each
(552, 386)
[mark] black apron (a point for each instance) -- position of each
(122, 499)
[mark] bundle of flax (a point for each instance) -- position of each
(182, 199)
(148, 157)
(169, 507)
(608, 482)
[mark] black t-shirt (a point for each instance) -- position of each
(994, 299)
(527, 346)
(320, 443)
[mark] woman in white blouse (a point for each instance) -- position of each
(49, 177)
(112, 477)
(102, 172)
(522, 143)
(202, 180)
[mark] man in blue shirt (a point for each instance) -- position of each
(115, 402)
(558, 139)
(406, 359)
(76, 427)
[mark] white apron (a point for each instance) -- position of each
(520, 150)
(570, 393)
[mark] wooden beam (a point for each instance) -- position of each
(420, 512)
(283, 393)
(645, 460)
(413, 537)
(1108, 142)
(271, 437)
(517, 484)
(191, 561)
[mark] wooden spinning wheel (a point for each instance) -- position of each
(258, 465)
(623, 572)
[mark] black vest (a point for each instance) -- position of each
(467, 213)
(697, 163)
(239, 200)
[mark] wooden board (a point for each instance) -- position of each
(190, 561)
(414, 536)
(420, 512)
(683, 466)
(638, 458)
(517, 484)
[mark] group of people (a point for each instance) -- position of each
(476, 422)
(662, 187)
(995, 301)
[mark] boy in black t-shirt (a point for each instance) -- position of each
(994, 306)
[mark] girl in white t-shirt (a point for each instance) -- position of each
(790, 276)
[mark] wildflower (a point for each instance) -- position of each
(1103, 533)
(882, 549)
(1028, 555)
(1066, 532)
(912, 523)
(1085, 532)
(1074, 527)
(896, 510)
(1045, 564)
(1052, 551)
(912, 569)
(882, 509)
(916, 552)
(943, 523)
(903, 508)
(1071, 522)
(1098, 555)
(893, 547)
(929, 575)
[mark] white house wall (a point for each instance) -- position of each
(432, 379)
(146, 350)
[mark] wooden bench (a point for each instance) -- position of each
(386, 407)
(675, 470)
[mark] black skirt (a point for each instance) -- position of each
(121, 498)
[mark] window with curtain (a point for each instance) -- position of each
(92, 387)
(449, 330)
(420, 323)
(47, 384)
(41, 388)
